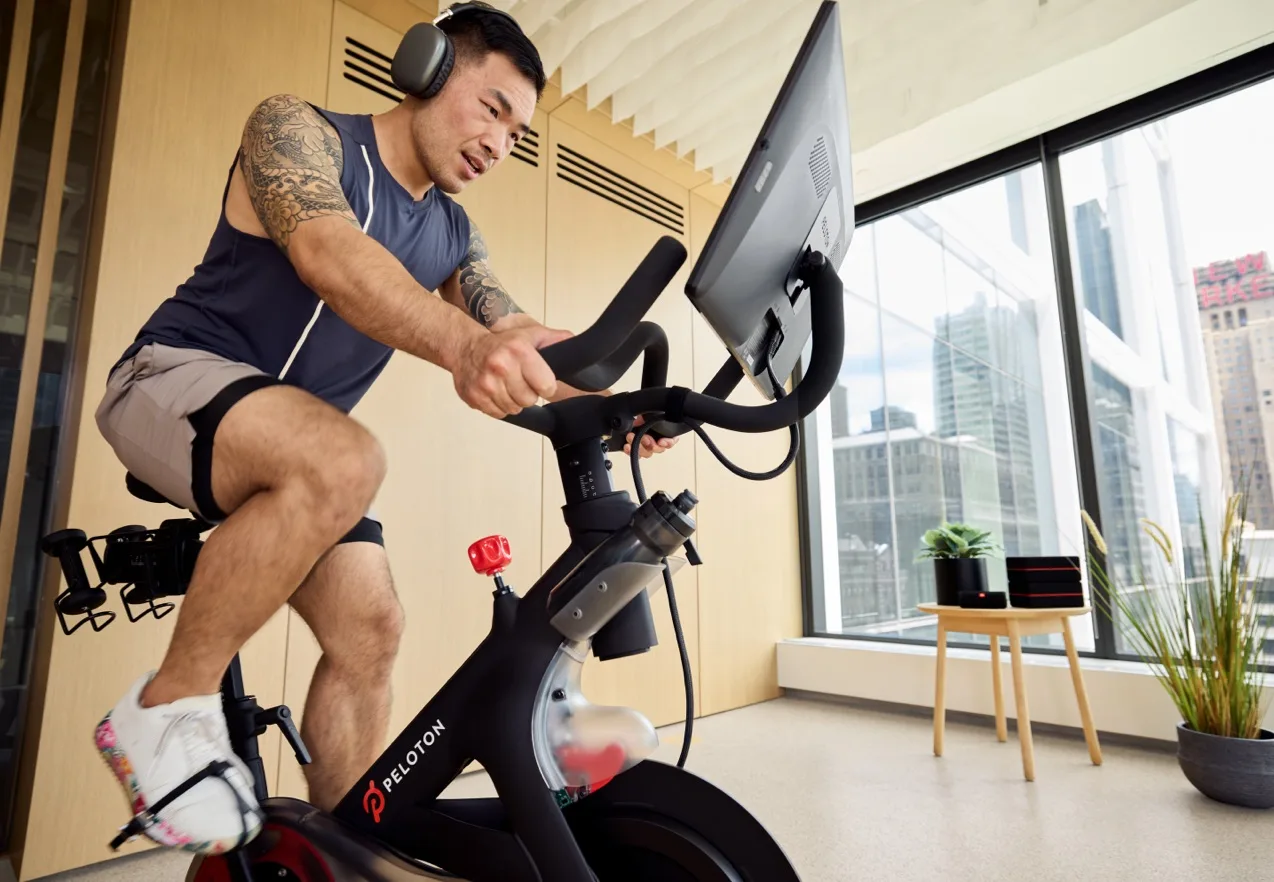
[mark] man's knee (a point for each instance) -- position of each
(342, 477)
(369, 638)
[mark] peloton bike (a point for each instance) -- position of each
(579, 799)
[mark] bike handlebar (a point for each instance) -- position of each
(586, 359)
(594, 359)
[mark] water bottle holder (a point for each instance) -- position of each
(581, 746)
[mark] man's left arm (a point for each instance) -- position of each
(474, 288)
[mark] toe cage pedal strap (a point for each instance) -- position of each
(145, 819)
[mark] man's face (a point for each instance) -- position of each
(473, 123)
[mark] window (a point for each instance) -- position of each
(1182, 218)
(958, 318)
(944, 382)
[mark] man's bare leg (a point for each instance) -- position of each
(295, 475)
(349, 603)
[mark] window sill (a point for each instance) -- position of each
(1125, 696)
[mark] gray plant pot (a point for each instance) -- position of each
(1237, 771)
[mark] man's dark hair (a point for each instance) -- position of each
(476, 33)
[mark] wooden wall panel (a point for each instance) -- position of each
(750, 581)
(182, 108)
(593, 245)
(347, 88)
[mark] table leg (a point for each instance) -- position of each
(940, 689)
(1019, 694)
(1081, 694)
(997, 681)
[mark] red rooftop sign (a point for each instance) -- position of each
(1225, 282)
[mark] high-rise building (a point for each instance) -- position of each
(986, 409)
(932, 479)
(1097, 265)
(1236, 303)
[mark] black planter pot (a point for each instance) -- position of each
(956, 574)
(1237, 771)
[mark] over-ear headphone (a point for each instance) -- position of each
(426, 54)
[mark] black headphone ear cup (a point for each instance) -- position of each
(444, 71)
(423, 61)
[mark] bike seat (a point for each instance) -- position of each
(144, 491)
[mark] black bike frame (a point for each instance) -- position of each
(396, 800)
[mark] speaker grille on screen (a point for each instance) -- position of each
(820, 168)
(369, 68)
(606, 183)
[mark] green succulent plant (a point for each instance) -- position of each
(958, 540)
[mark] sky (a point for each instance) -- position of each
(1221, 154)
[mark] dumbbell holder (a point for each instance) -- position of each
(147, 564)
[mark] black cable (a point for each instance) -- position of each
(757, 476)
(754, 476)
(635, 460)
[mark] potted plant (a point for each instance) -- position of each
(959, 553)
(1203, 638)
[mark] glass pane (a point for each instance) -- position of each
(8, 8)
(864, 531)
(960, 428)
(920, 391)
(1171, 240)
(26, 203)
(909, 269)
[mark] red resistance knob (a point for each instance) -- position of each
(490, 555)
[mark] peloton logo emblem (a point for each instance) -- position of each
(373, 801)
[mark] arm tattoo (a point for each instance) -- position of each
(484, 296)
(292, 160)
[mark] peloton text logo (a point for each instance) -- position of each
(413, 756)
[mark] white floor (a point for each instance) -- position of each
(855, 794)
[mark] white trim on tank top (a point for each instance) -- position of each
(371, 207)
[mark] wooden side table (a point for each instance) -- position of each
(1014, 624)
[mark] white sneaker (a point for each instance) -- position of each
(152, 750)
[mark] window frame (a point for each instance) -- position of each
(1046, 150)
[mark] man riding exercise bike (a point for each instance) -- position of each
(233, 401)
(578, 798)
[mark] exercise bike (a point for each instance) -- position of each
(578, 797)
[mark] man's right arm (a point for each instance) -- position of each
(291, 160)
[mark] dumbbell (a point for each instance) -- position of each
(80, 596)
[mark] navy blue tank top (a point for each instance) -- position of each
(245, 301)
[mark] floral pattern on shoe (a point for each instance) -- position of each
(160, 831)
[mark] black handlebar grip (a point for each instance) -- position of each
(646, 338)
(596, 344)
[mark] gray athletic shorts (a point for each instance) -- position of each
(160, 413)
